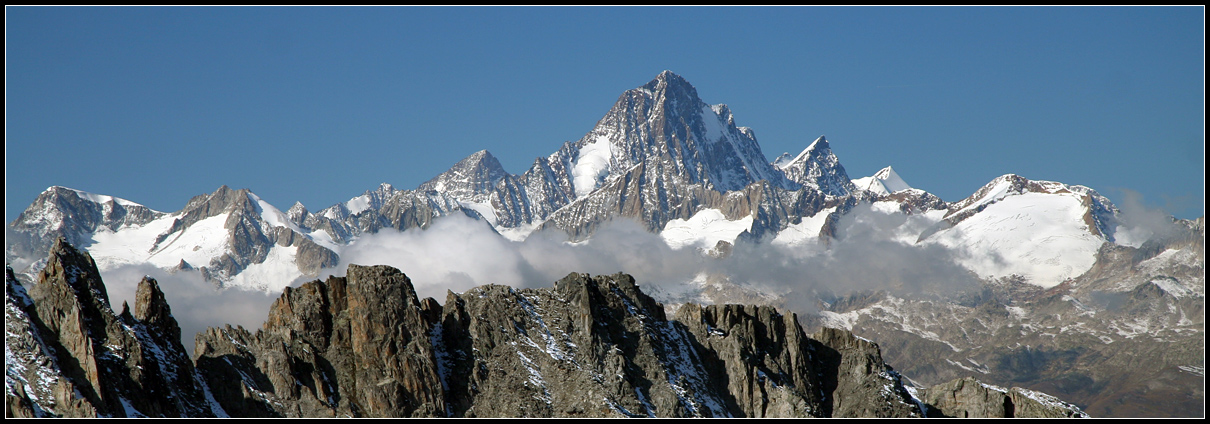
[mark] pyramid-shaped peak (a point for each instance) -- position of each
(817, 166)
(819, 143)
(885, 181)
(665, 125)
(669, 77)
(481, 162)
(670, 82)
(297, 214)
(885, 173)
(477, 172)
(298, 210)
(483, 156)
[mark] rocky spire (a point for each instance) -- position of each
(819, 168)
(298, 214)
(70, 269)
(102, 363)
(151, 309)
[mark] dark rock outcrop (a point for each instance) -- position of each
(859, 383)
(365, 345)
(79, 358)
(969, 398)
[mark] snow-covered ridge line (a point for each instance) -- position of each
(100, 199)
(658, 148)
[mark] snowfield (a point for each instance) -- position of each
(1040, 236)
(591, 165)
(803, 232)
(704, 229)
(197, 244)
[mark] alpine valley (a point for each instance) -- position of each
(1044, 287)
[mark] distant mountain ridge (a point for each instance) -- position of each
(684, 170)
(661, 155)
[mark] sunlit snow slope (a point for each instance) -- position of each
(1042, 236)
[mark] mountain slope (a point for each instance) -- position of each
(229, 236)
(682, 169)
(71, 214)
(1126, 339)
(1044, 231)
(661, 156)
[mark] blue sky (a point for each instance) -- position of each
(317, 105)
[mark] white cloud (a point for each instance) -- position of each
(196, 304)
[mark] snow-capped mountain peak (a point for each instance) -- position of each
(816, 148)
(471, 177)
(1044, 231)
(674, 134)
(97, 198)
(885, 181)
(228, 235)
(71, 214)
(298, 214)
(817, 167)
(675, 85)
(371, 199)
(661, 155)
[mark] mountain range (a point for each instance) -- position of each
(683, 169)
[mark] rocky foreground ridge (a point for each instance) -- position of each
(365, 345)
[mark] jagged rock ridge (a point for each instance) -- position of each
(68, 354)
(365, 345)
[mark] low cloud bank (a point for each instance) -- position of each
(871, 251)
(865, 255)
(196, 304)
(458, 253)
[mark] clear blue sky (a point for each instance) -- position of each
(317, 105)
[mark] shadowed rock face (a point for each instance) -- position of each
(355, 346)
(365, 345)
(860, 383)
